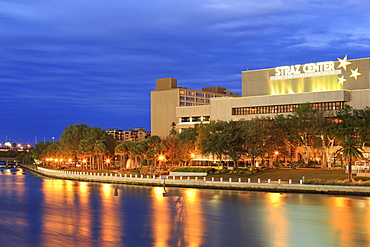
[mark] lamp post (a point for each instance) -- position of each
(84, 161)
(107, 161)
(276, 157)
(192, 156)
(160, 158)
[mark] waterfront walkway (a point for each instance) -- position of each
(170, 181)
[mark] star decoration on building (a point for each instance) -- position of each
(343, 63)
(341, 80)
(355, 73)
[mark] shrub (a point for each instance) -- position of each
(191, 169)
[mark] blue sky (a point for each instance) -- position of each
(95, 62)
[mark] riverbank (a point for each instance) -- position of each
(229, 184)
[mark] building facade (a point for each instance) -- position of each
(135, 135)
(327, 85)
(168, 97)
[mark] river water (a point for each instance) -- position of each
(37, 211)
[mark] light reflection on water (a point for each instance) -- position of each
(36, 211)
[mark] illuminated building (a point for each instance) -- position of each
(266, 92)
(135, 135)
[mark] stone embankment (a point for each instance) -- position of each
(204, 183)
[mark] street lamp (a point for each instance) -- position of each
(276, 156)
(84, 161)
(160, 158)
(192, 156)
(107, 161)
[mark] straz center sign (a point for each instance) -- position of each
(315, 69)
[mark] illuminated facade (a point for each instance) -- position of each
(327, 85)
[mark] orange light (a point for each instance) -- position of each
(84, 161)
(161, 157)
(107, 161)
(192, 155)
(276, 152)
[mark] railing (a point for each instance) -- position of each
(74, 174)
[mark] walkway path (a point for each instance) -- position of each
(201, 183)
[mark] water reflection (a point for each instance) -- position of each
(277, 231)
(161, 218)
(45, 212)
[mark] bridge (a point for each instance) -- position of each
(9, 161)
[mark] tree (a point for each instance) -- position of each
(303, 127)
(153, 148)
(188, 139)
(221, 139)
(210, 140)
(80, 140)
(123, 149)
(71, 137)
(255, 139)
(346, 130)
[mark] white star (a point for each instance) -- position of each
(343, 63)
(355, 73)
(341, 80)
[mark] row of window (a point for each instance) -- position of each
(284, 108)
(190, 104)
(196, 119)
(198, 94)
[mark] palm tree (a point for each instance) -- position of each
(347, 130)
(351, 150)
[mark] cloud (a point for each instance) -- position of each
(96, 62)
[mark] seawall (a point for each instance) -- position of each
(203, 184)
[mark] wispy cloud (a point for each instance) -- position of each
(95, 62)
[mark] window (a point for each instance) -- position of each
(206, 118)
(190, 93)
(195, 119)
(327, 106)
(185, 120)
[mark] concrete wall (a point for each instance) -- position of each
(191, 111)
(163, 111)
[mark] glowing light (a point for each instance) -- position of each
(161, 157)
(341, 80)
(355, 73)
(343, 63)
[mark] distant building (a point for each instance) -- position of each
(135, 135)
